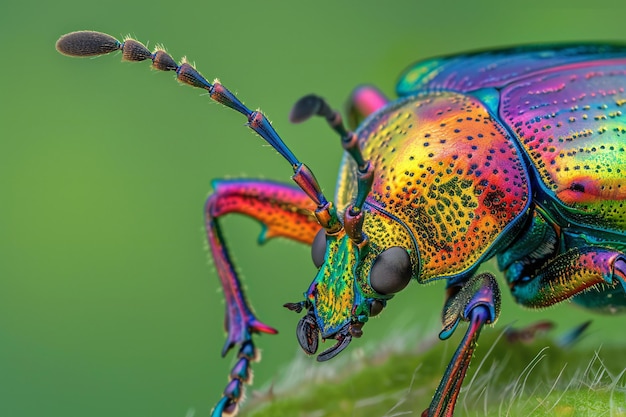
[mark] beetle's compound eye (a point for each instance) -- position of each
(391, 271)
(318, 248)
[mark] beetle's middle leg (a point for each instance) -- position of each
(571, 274)
(284, 211)
(542, 269)
(476, 301)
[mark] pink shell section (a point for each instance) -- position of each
(571, 124)
(450, 172)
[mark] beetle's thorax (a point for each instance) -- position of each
(446, 172)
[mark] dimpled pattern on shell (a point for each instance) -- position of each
(497, 68)
(450, 172)
(569, 121)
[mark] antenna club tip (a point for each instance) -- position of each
(304, 108)
(87, 43)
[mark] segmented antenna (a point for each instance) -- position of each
(313, 105)
(89, 43)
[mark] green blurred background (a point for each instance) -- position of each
(108, 303)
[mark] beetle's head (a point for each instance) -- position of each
(353, 282)
(356, 276)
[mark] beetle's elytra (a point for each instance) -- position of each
(515, 153)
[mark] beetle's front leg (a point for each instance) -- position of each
(283, 211)
(478, 302)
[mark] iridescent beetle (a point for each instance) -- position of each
(515, 153)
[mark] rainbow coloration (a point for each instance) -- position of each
(516, 153)
(571, 126)
(439, 183)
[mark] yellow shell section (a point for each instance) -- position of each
(448, 171)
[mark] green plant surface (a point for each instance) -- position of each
(540, 378)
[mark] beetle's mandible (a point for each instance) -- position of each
(514, 153)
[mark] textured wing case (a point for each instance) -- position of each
(496, 68)
(570, 122)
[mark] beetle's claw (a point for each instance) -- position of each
(343, 338)
(224, 407)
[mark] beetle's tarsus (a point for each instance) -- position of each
(225, 408)
(528, 334)
(240, 374)
(258, 200)
(573, 336)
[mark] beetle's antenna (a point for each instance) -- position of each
(313, 105)
(90, 43)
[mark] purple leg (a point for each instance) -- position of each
(284, 211)
(570, 274)
(478, 302)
